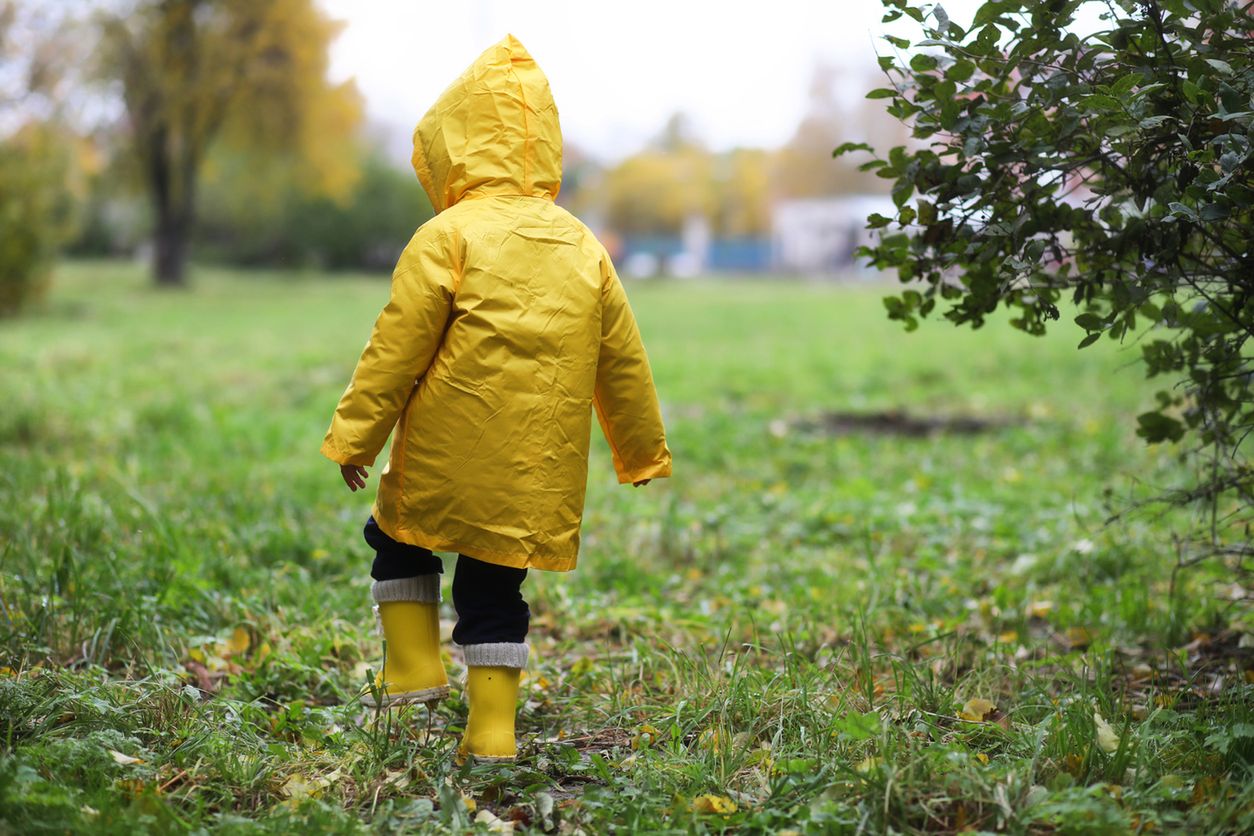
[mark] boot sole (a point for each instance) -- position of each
(407, 698)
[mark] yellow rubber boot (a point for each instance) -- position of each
(493, 695)
(409, 618)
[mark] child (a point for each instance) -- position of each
(506, 326)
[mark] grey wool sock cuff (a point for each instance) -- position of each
(425, 589)
(496, 655)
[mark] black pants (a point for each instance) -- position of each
(487, 597)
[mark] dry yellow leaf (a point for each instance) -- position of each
(867, 764)
(1040, 609)
(124, 759)
(493, 823)
(237, 643)
(981, 757)
(1106, 737)
(647, 736)
(298, 787)
(1079, 637)
(976, 709)
(711, 739)
(718, 804)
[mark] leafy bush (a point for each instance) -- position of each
(1114, 168)
(35, 212)
(273, 219)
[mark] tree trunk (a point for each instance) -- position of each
(172, 180)
(170, 250)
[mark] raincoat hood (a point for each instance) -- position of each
(494, 131)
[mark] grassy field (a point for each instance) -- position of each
(808, 628)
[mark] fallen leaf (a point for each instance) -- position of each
(1079, 638)
(1106, 737)
(237, 643)
(647, 736)
(710, 739)
(976, 709)
(719, 804)
(494, 823)
(298, 787)
(125, 760)
(1204, 790)
(1040, 609)
(867, 764)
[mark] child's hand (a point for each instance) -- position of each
(354, 476)
(641, 483)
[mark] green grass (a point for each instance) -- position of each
(793, 624)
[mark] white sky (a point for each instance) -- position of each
(740, 69)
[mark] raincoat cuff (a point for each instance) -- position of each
(496, 655)
(658, 470)
(333, 452)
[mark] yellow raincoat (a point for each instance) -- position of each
(506, 326)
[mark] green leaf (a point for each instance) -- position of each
(990, 12)
(902, 191)
(1090, 321)
(1101, 103)
(1183, 211)
(882, 93)
(923, 63)
(961, 70)
(847, 147)
(1155, 427)
(1223, 66)
(1213, 212)
(1124, 85)
(1089, 340)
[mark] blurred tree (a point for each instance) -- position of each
(654, 191)
(1115, 168)
(273, 219)
(742, 189)
(39, 154)
(36, 210)
(248, 73)
(803, 167)
(651, 193)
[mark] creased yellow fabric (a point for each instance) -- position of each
(506, 326)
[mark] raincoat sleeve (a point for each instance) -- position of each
(404, 340)
(626, 402)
